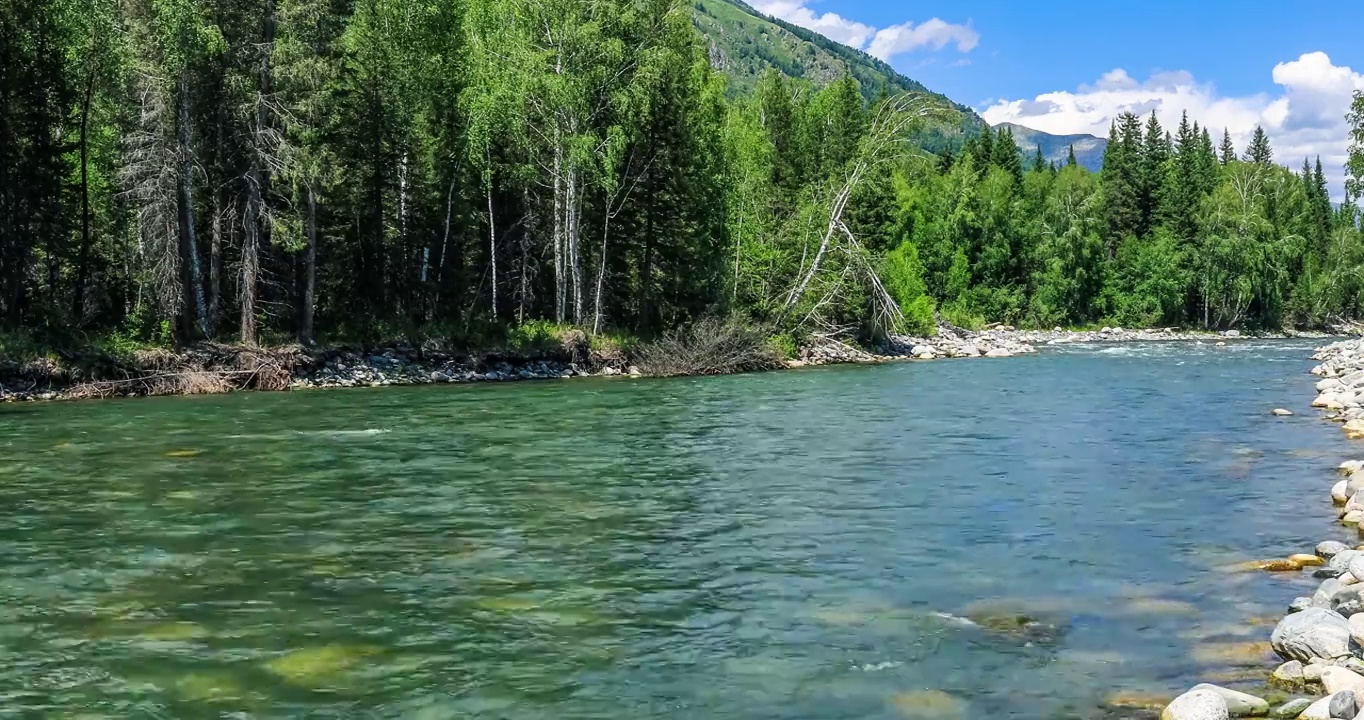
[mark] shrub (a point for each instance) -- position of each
(708, 347)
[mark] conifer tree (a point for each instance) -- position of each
(1039, 163)
(1005, 154)
(1227, 152)
(1070, 157)
(1260, 153)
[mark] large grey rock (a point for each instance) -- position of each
(1331, 548)
(1299, 604)
(1327, 590)
(1198, 705)
(1343, 705)
(1315, 633)
(1291, 709)
(1240, 704)
(1356, 626)
(1336, 679)
(1341, 560)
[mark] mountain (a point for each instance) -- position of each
(1089, 150)
(744, 44)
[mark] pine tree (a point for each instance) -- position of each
(1070, 157)
(1155, 157)
(1005, 154)
(1122, 181)
(1260, 153)
(1039, 163)
(1227, 152)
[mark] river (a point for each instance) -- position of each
(793, 545)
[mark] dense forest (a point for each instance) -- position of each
(329, 170)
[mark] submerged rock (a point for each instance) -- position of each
(1291, 709)
(1319, 710)
(928, 705)
(1315, 633)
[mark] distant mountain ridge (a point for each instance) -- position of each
(744, 44)
(1089, 149)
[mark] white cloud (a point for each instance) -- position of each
(830, 25)
(1305, 117)
(886, 43)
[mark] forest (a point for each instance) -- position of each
(322, 171)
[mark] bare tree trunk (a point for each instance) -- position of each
(559, 297)
(83, 264)
(575, 264)
(310, 271)
(492, 246)
(250, 265)
(189, 246)
(601, 271)
(215, 247)
(258, 176)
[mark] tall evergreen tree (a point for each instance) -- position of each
(1122, 180)
(1070, 156)
(1259, 152)
(1227, 152)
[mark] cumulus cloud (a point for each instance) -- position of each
(1305, 116)
(830, 25)
(885, 43)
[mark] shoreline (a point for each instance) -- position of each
(1320, 639)
(214, 369)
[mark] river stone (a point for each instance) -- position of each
(1312, 671)
(1299, 604)
(1197, 704)
(1315, 633)
(1291, 709)
(1354, 429)
(1350, 467)
(1289, 673)
(1322, 597)
(999, 353)
(1343, 705)
(1281, 412)
(1348, 579)
(1330, 548)
(1335, 679)
(1306, 560)
(1239, 704)
(918, 350)
(1329, 384)
(1319, 710)
(1350, 608)
(1352, 517)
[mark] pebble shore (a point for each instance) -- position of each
(1321, 638)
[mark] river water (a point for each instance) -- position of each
(793, 545)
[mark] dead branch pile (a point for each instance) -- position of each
(708, 347)
(204, 369)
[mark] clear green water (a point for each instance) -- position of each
(770, 546)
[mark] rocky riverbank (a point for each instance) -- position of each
(1321, 638)
(212, 368)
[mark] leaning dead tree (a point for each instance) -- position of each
(887, 140)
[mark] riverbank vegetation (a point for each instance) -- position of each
(259, 171)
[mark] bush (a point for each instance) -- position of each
(903, 273)
(708, 347)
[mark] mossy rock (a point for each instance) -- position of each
(928, 705)
(315, 667)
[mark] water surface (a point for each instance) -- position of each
(766, 546)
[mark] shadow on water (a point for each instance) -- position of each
(1019, 538)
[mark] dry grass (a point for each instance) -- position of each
(708, 347)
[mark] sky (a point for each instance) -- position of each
(1290, 66)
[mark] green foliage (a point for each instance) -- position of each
(903, 274)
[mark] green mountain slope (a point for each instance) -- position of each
(744, 44)
(1089, 150)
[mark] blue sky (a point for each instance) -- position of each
(1067, 67)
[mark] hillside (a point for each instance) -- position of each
(744, 44)
(1089, 150)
